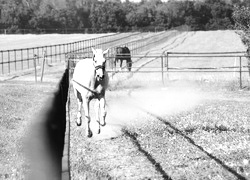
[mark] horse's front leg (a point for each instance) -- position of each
(103, 111)
(128, 63)
(79, 110)
(79, 113)
(115, 63)
(97, 113)
(87, 117)
(121, 64)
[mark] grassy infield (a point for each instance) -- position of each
(20, 101)
(208, 141)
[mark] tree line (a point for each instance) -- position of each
(241, 16)
(117, 15)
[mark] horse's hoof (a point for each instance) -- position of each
(89, 134)
(103, 123)
(79, 122)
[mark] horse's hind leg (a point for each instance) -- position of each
(115, 63)
(103, 111)
(97, 113)
(121, 64)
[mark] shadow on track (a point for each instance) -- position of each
(177, 131)
(157, 165)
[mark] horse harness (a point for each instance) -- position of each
(91, 90)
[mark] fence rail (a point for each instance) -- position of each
(22, 59)
(170, 62)
(27, 58)
(166, 64)
(226, 62)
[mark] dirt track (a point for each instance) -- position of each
(176, 131)
(166, 132)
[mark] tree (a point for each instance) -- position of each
(241, 16)
(16, 15)
(221, 15)
(202, 15)
(114, 15)
(142, 17)
(161, 17)
(107, 16)
(246, 3)
(175, 14)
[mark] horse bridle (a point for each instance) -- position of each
(96, 68)
(99, 66)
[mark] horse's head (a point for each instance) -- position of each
(99, 60)
(119, 50)
(126, 49)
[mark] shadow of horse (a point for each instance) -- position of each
(123, 53)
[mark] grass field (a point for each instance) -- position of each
(20, 101)
(185, 129)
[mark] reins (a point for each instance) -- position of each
(91, 90)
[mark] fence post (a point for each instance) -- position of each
(166, 65)
(15, 59)
(55, 53)
(2, 62)
(51, 53)
(166, 62)
(235, 66)
(34, 59)
(22, 58)
(162, 70)
(240, 74)
(43, 63)
(46, 49)
(9, 60)
(28, 57)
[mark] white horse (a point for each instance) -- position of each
(90, 80)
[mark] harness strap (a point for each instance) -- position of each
(91, 90)
(99, 67)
